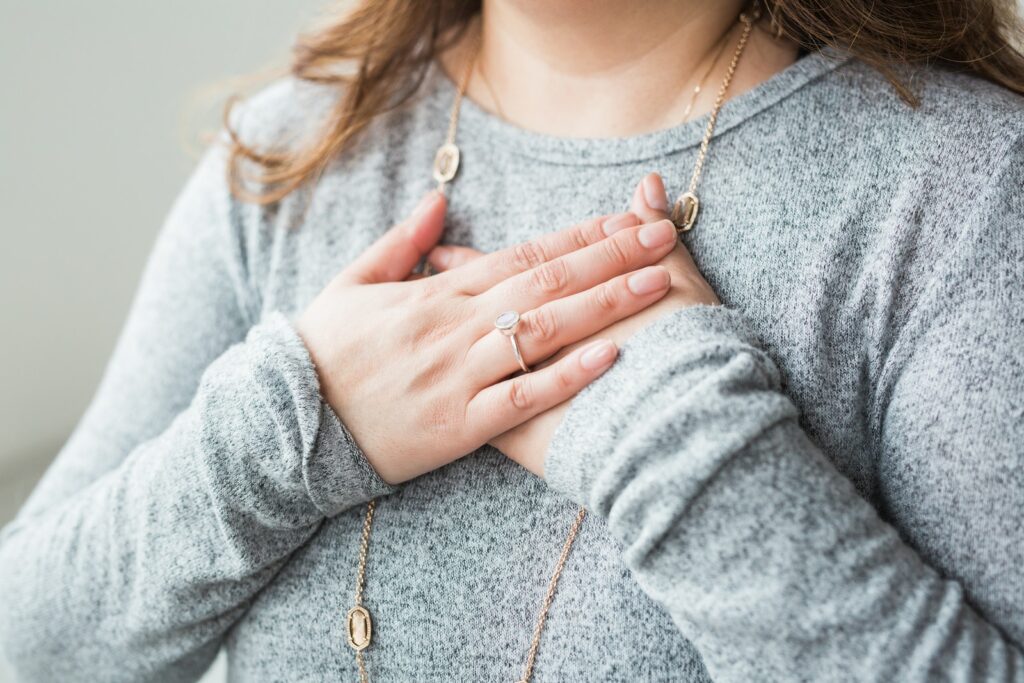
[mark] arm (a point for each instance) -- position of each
(205, 459)
(175, 503)
(766, 557)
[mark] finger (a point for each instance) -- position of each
(448, 257)
(393, 257)
(650, 202)
(505, 405)
(491, 269)
(544, 331)
(625, 251)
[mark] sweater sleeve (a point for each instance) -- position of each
(206, 458)
(766, 557)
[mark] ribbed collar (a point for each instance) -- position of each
(476, 123)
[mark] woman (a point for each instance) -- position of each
(806, 462)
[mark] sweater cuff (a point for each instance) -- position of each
(681, 346)
(338, 475)
(335, 470)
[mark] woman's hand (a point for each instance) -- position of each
(415, 368)
(527, 443)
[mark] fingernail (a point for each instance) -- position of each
(648, 281)
(619, 221)
(425, 203)
(654, 193)
(598, 355)
(440, 257)
(657, 234)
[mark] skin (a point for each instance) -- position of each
(527, 443)
(415, 368)
(578, 68)
(428, 346)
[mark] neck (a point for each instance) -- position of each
(604, 68)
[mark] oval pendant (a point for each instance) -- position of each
(359, 627)
(446, 162)
(684, 212)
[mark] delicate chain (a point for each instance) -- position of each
(453, 117)
(686, 112)
(364, 548)
(700, 85)
(445, 166)
(687, 205)
(490, 89)
(453, 124)
(549, 596)
(719, 101)
(361, 661)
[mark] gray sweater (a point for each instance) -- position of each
(821, 480)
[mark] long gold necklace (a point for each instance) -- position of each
(687, 205)
(359, 625)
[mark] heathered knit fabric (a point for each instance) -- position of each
(819, 481)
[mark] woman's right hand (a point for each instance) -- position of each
(415, 368)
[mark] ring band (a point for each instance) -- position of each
(507, 323)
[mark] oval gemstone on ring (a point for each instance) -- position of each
(507, 321)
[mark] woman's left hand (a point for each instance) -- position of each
(528, 443)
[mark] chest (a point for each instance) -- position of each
(776, 242)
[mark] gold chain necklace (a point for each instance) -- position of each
(686, 206)
(703, 79)
(359, 625)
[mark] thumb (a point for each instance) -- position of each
(650, 203)
(392, 257)
(451, 257)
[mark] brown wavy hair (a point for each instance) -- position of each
(378, 52)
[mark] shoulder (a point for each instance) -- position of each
(962, 127)
(956, 101)
(286, 112)
(209, 228)
(933, 195)
(943, 169)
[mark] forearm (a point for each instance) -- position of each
(767, 558)
(138, 575)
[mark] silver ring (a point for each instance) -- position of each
(507, 323)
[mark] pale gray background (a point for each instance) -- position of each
(101, 110)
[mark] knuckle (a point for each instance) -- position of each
(606, 298)
(550, 278)
(519, 394)
(541, 325)
(429, 287)
(617, 252)
(527, 255)
(565, 379)
(579, 237)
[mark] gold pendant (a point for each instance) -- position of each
(359, 627)
(446, 162)
(684, 212)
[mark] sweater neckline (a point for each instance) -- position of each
(476, 123)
